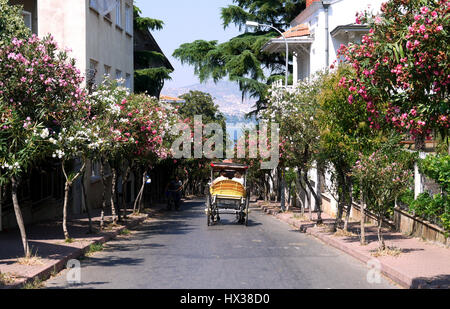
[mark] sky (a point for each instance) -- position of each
(186, 21)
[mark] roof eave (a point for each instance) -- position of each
(271, 47)
(349, 28)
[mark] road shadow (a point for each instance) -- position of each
(437, 282)
(111, 261)
(84, 286)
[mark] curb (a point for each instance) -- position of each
(403, 280)
(58, 265)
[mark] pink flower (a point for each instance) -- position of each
(422, 29)
(351, 99)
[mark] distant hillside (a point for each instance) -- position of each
(226, 95)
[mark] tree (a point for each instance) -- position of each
(296, 112)
(35, 79)
(11, 26)
(344, 133)
(402, 71)
(108, 123)
(11, 23)
(199, 103)
(150, 125)
(240, 59)
(152, 68)
(384, 175)
(71, 142)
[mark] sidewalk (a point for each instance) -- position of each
(46, 241)
(419, 264)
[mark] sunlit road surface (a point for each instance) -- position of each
(181, 252)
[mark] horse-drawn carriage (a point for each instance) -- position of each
(227, 195)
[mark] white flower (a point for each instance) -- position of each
(59, 153)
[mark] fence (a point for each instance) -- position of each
(402, 221)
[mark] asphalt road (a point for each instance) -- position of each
(182, 252)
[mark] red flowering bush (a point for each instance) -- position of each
(39, 86)
(402, 71)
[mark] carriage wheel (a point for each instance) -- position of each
(247, 210)
(208, 207)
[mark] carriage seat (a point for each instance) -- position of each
(228, 189)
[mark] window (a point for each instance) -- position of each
(92, 72)
(128, 81)
(119, 76)
(128, 19)
(119, 13)
(93, 66)
(107, 70)
(27, 19)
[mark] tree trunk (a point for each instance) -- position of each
(102, 176)
(363, 222)
(337, 223)
(68, 184)
(142, 198)
(266, 190)
(288, 191)
(317, 199)
(66, 201)
(349, 207)
(308, 193)
(420, 143)
(124, 191)
(283, 192)
(380, 234)
(19, 218)
(299, 181)
(137, 206)
(88, 209)
(113, 195)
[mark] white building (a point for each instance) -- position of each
(99, 33)
(316, 35)
(318, 32)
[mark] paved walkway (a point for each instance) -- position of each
(420, 264)
(46, 241)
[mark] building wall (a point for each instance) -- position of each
(91, 37)
(109, 44)
(66, 22)
(341, 12)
